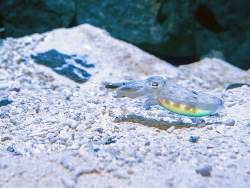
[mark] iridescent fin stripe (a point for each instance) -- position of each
(183, 109)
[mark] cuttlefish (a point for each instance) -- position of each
(171, 96)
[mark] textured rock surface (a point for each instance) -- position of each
(60, 133)
(177, 30)
(152, 25)
(228, 32)
(24, 17)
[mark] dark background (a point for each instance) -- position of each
(178, 31)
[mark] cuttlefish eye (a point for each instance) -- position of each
(155, 84)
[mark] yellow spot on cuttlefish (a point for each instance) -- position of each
(176, 105)
(167, 102)
(184, 109)
(188, 108)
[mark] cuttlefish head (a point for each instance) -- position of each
(133, 89)
(154, 86)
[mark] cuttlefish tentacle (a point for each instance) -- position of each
(170, 96)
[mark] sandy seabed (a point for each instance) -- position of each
(60, 133)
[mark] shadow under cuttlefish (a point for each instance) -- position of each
(162, 124)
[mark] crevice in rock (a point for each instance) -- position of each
(207, 19)
(73, 22)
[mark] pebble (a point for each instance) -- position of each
(204, 171)
(120, 163)
(11, 149)
(229, 122)
(63, 137)
(170, 129)
(130, 160)
(53, 139)
(147, 143)
(236, 150)
(130, 171)
(213, 155)
(6, 138)
(157, 152)
(111, 168)
(194, 139)
(69, 143)
(210, 146)
(220, 129)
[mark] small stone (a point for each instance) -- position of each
(204, 171)
(185, 158)
(99, 130)
(220, 129)
(210, 146)
(120, 163)
(111, 168)
(130, 160)
(229, 122)
(170, 129)
(69, 143)
(201, 125)
(71, 123)
(179, 136)
(110, 140)
(157, 152)
(5, 102)
(11, 149)
(209, 128)
(6, 138)
(63, 138)
(213, 155)
(236, 150)
(194, 139)
(53, 139)
(147, 143)
(130, 171)
(232, 155)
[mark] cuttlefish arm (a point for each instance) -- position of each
(132, 89)
(170, 96)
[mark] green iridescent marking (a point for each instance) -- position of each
(184, 109)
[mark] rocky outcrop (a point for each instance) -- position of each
(178, 31)
(24, 17)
